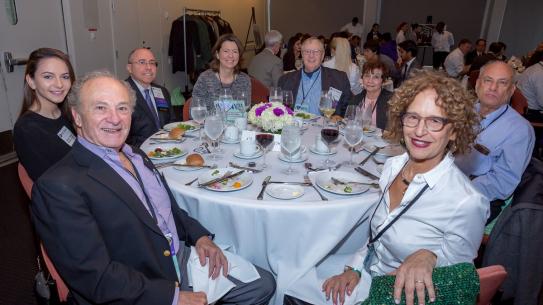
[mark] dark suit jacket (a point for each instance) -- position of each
(99, 235)
(329, 78)
(415, 65)
(143, 125)
(480, 61)
(382, 106)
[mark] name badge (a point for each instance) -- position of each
(160, 102)
(335, 93)
(66, 135)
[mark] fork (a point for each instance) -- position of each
(191, 181)
(308, 181)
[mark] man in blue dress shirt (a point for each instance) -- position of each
(504, 146)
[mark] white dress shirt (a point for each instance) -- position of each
(442, 42)
(530, 84)
(448, 219)
(454, 63)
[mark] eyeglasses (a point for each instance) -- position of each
(144, 62)
(432, 123)
(311, 52)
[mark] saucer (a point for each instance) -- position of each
(257, 154)
(314, 150)
(226, 141)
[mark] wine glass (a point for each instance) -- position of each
(329, 133)
(350, 112)
(264, 139)
(198, 112)
(290, 143)
(366, 118)
(214, 126)
(326, 105)
(246, 98)
(353, 135)
(288, 99)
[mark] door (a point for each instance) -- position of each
(25, 25)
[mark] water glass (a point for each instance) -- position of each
(290, 143)
(198, 112)
(214, 126)
(350, 112)
(276, 95)
(353, 135)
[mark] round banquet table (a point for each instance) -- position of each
(286, 237)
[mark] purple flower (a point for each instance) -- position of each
(289, 111)
(278, 112)
(259, 110)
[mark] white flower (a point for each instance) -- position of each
(273, 116)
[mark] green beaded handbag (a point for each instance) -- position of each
(457, 284)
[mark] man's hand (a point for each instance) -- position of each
(207, 249)
(191, 298)
(415, 274)
(336, 118)
(340, 284)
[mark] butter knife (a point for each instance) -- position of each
(377, 148)
(365, 173)
(290, 183)
(226, 176)
(264, 185)
(232, 164)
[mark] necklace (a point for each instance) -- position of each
(404, 181)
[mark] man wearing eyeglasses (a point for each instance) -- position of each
(308, 83)
(505, 142)
(153, 108)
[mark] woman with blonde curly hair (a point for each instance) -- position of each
(429, 214)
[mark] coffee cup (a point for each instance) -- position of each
(241, 123)
(231, 133)
(320, 146)
(248, 147)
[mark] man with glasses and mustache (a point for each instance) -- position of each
(153, 107)
(505, 142)
(308, 83)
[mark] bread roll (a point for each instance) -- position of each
(176, 133)
(195, 159)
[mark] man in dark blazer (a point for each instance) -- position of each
(153, 107)
(109, 220)
(307, 84)
(408, 54)
(266, 66)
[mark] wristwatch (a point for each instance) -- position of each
(349, 268)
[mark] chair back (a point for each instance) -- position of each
(472, 78)
(186, 110)
(519, 102)
(26, 182)
(490, 278)
(259, 92)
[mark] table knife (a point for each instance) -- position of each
(290, 183)
(264, 184)
(366, 173)
(224, 177)
(232, 164)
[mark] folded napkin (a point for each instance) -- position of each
(239, 268)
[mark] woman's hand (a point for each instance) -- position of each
(340, 284)
(415, 274)
(336, 118)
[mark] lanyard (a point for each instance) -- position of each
(494, 120)
(374, 105)
(409, 205)
(304, 95)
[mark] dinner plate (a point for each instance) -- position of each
(324, 181)
(166, 147)
(185, 168)
(390, 150)
(172, 125)
(309, 116)
(314, 150)
(284, 191)
(257, 154)
(369, 129)
(233, 184)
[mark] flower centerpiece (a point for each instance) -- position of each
(516, 64)
(271, 117)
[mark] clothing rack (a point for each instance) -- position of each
(195, 12)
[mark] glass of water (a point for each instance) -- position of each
(198, 112)
(290, 143)
(214, 126)
(353, 135)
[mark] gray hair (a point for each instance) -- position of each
(313, 38)
(495, 61)
(273, 37)
(74, 97)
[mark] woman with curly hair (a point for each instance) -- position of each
(429, 214)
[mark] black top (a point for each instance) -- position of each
(37, 144)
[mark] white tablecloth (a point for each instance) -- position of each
(288, 237)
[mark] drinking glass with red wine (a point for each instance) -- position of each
(329, 134)
(264, 139)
